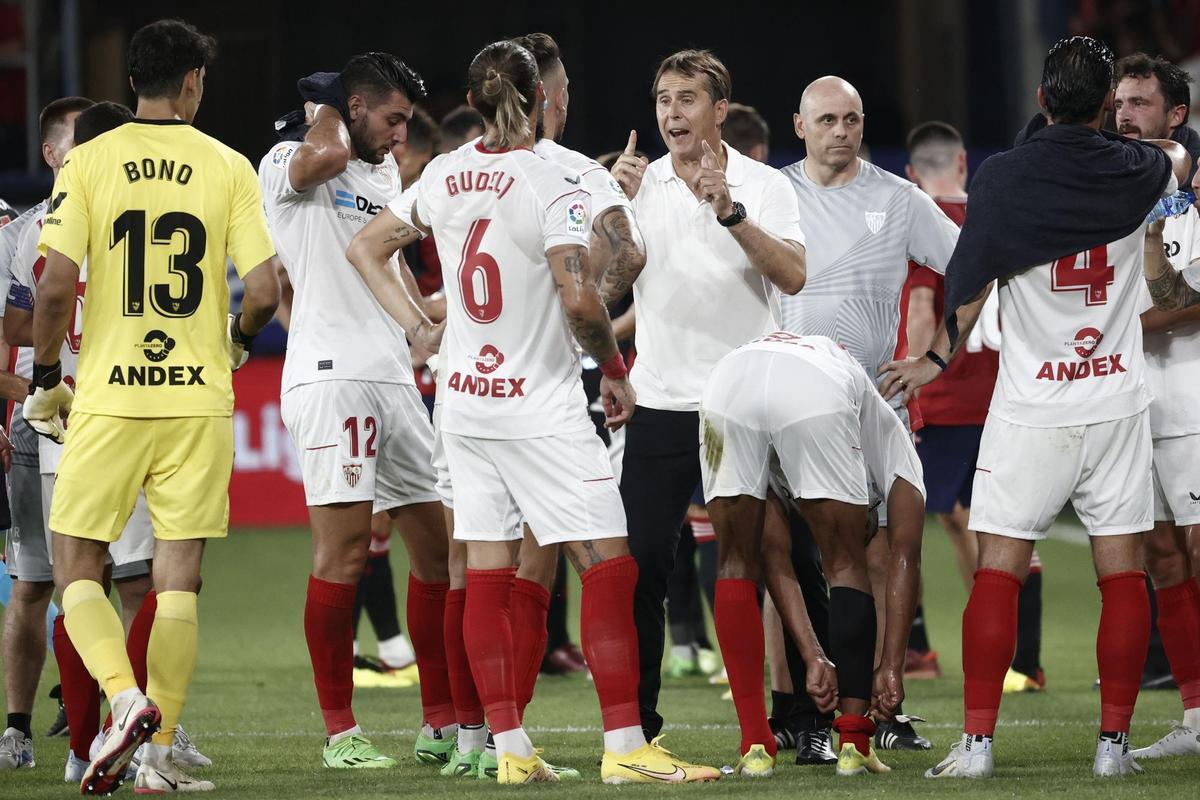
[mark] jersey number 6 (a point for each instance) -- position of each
(479, 277)
(130, 228)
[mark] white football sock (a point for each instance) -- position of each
(683, 651)
(624, 740)
(396, 652)
(515, 742)
(337, 737)
(471, 737)
(1191, 718)
(156, 755)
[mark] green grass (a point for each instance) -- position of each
(253, 707)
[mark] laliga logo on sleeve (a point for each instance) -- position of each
(577, 218)
(489, 359)
(1086, 341)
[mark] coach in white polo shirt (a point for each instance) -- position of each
(722, 237)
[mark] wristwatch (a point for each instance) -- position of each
(738, 215)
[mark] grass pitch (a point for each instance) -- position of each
(253, 708)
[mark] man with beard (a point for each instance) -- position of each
(349, 398)
(1151, 102)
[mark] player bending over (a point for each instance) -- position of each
(828, 430)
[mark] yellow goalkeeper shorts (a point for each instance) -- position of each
(184, 464)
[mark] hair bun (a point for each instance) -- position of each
(493, 82)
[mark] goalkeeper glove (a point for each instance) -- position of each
(48, 396)
(240, 343)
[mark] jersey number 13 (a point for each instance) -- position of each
(130, 228)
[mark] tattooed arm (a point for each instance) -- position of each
(592, 328)
(618, 253)
(580, 300)
(371, 251)
(1168, 289)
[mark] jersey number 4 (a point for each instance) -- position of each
(1088, 272)
(479, 277)
(130, 228)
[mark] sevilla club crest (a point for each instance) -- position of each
(352, 473)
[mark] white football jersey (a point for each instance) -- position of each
(27, 265)
(605, 191)
(1172, 356)
(10, 241)
(1072, 347)
(510, 366)
(338, 330)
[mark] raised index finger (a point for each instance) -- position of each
(631, 148)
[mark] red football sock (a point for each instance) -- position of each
(328, 627)
(426, 628)
(139, 638)
(855, 729)
(1121, 646)
(530, 602)
(609, 639)
(487, 630)
(1179, 626)
(743, 649)
(468, 710)
(80, 692)
(989, 639)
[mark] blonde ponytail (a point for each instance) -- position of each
(503, 80)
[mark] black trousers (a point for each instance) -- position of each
(659, 475)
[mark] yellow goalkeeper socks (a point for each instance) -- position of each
(95, 630)
(171, 658)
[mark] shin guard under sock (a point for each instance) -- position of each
(1121, 646)
(989, 637)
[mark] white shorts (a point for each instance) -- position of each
(763, 403)
(361, 441)
(890, 452)
(441, 470)
(562, 485)
(1176, 484)
(132, 550)
(1024, 476)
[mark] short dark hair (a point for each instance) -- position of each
(100, 118)
(163, 52)
(745, 128)
(932, 145)
(377, 75)
(1172, 81)
(698, 62)
(55, 114)
(459, 122)
(1076, 76)
(544, 48)
(423, 132)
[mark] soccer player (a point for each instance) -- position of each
(422, 143)
(515, 427)
(869, 224)
(620, 255)
(463, 124)
(1068, 419)
(155, 207)
(349, 399)
(27, 553)
(953, 408)
(827, 425)
(1151, 102)
(721, 232)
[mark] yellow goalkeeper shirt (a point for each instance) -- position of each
(156, 207)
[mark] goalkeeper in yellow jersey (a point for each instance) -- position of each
(151, 210)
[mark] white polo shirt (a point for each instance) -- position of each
(699, 297)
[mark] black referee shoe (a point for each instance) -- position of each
(815, 746)
(899, 735)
